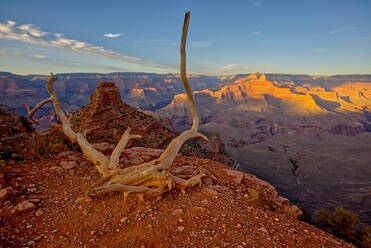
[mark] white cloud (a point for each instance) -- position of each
(341, 30)
(200, 44)
(233, 68)
(6, 27)
(257, 33)
(30, 29)
(109, 35)
(30, 34)
(229, 67)
(319, 50)
(38, 56)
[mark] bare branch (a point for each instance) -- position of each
(188, 182)
(93, 155)
(150, 178)
(183, 71)
(115, 156)
(32, 112)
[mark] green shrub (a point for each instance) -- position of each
(342, 223)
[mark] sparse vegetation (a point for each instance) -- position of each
(342, 223)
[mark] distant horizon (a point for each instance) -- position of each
(319, 37)
(210, 75)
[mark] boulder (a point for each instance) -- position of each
(3, 194)
(68, 165)
(25, 206)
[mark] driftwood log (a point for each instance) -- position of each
(151, 178)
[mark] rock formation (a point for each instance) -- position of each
(265, 123)
(15, 130)
(153, 177)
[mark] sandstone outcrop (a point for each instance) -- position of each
(106, 118)
(15, 130)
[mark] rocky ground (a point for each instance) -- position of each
(230, 209)
(14, 130)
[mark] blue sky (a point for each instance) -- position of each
(225, 37)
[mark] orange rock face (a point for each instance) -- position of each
(106, 94)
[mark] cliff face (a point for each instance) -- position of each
(140, 90)
(148, 91)
(289, 108)
(265, 124)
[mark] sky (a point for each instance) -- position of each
(323, 37)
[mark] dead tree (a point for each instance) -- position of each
(151, 178)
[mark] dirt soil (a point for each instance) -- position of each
(38, 209)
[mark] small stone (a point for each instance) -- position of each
(238, 176)
(177, 211)
(34, 200)
(68, 165)
(84, 163)
(80, 207)
(276, 219)
(306, 231)
(55, 230)
(92, 232)
(28, 227)
(64, 153)
(57, 169)
(181, 228)
(224, 226)
(31, 243)
(239, 226)
(73, 158)
(180, 220)
(123, 219)
(262, 229)
(31, 190)
(38, 238)
(25, 206)
(39, 212)
(3, 194)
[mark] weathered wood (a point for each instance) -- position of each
(150, 178)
